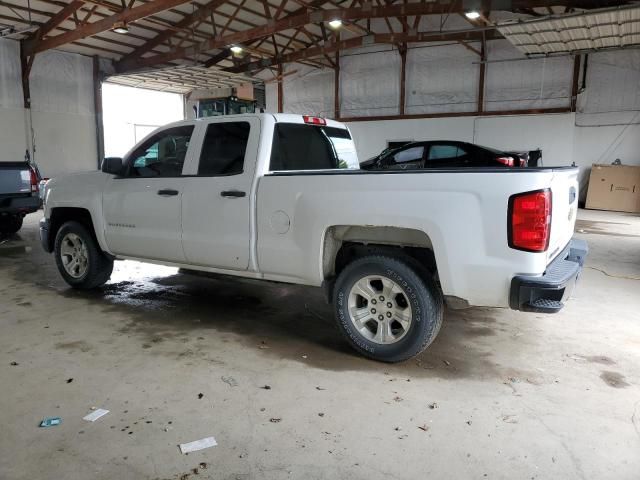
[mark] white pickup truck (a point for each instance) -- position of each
(281, 198)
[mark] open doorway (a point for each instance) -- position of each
(129, 114)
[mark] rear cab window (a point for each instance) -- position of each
(312, 147)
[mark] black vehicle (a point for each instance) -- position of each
(18, 194)
(442, 154)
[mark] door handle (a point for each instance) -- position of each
(167, 192)
(233, 194)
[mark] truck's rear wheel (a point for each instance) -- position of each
(10, 224)
(388, 309)
(79, 258)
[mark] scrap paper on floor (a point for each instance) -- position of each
(198, 445)
(95, 415)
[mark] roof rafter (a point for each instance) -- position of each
(200, 14)
(366, 40)
(291, 22)
(127, 15)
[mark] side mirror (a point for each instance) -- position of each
(112, 165)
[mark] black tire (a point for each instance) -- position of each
(420, 290)
(99, 266)
(10, 224)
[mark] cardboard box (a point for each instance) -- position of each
(614, 187)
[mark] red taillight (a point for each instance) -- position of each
(530, 221)
(34, 180)
(314, 120)
(508, 161)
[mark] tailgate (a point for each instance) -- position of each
(15, 178)
(564, 207)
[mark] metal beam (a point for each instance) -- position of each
(482, 73)
(127, 16)
(280, 90)
(201, 14)
(496, 113)
(357, 42)
(295, 21)
(97, 104)
(25, 67)
(59, 17)
(217, 58)
(403, 76)
(336, 86)
(575, 83)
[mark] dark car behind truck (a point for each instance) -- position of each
(18, 194)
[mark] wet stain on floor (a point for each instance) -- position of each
(75, 346)
(614, 379)
(169, 311)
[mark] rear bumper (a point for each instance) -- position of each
(19, 205)
(548, 293)
(44, 235)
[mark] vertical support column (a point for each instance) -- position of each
(97, 107)
(483, 72)
(403, 76)
(280, 93)
(26, 62)
(575, 83)
(336, 87)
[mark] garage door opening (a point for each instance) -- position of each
(129, 114)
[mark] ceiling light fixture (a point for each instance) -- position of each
(335, 23)
(120, 27)
(472, 15)
(236, 49)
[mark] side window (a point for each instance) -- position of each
(444, 152)
(413, 154)
(224, 148)
(162, 155)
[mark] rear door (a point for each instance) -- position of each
(216, 204)
(564, 207)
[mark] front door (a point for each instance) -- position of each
(216, 203)
(143, 207)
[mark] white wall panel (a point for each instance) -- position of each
(441, 79)
(10, 82)
(65, 143)
(62, 113)
(308, 91)
(62, 82)
(12, 121)
(13, 141)
(369, 82)
(525, 84)
(612, 83)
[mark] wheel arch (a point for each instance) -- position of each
(344, 243)
(60, 215)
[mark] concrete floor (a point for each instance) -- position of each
(500, 394)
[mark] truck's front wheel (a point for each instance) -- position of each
(388, 309)
(79, 258)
